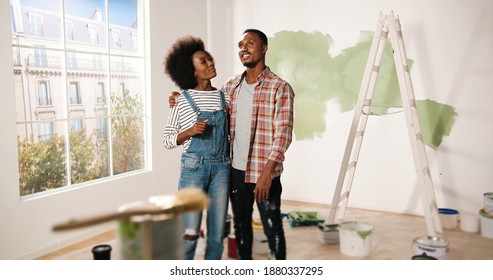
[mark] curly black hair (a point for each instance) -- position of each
(178, 63)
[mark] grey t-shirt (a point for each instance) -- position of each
(241, 142)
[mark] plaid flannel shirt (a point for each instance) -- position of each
(272, 121)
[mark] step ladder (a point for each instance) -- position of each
(386, 24)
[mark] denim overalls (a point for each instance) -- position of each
(206, 165)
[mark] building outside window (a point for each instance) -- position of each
(71, 60)
(40, 58)
(44, 98)
(55, 102)
(93, 33)
(116, 41)
(69, 30)
(36, 24)
(74, 93)
(76, 125)
(100, 94)
(45, 131)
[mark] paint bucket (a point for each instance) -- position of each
(423, 257)
(260, 242)
(328, 234)
(150, 237)
(355, 239)
(232, 252)
(431, 246)
(101, 252)
(469, 222)
(448, 217)
(488, 202)
(486, 223)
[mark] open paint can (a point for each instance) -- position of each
(150, 237)
(431, 246)
(355, 239)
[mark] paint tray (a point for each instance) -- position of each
(300, 218)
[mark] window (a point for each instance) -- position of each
(40, 58)
(97, 62)
(93, 33)
(102, 128)
(36, 24)
(74, 93)
(45, 131)
(67, 114)
(71, 60)
(100, 95)
(122, 90)
(135, 40)
(115, 38)
(76, 125)
(69, 30)
(44, 98)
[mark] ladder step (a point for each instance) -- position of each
(352, 165)
(343, 196)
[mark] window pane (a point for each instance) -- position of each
(42, 157)
(74, 93)
(123, 24)
(128, 143)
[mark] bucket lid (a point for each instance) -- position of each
(447, 211)
(431, 241)
(483, 213)
(423, 257)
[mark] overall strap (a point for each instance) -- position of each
(190, 101)
(223, 100)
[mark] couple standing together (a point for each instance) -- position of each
(234, 141)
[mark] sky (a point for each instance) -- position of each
(122, 12)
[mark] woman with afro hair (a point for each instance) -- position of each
(199, 123)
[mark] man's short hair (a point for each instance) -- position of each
(260, 34)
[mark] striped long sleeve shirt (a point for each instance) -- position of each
(272, 121)
(182, 116)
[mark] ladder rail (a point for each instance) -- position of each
(414, 128)
(359, 119)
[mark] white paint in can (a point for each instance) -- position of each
(355, 239)
(431, 246)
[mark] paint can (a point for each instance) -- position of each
(355, 239)
(486, 223)
(232, 252)
(448, 217)
(328, 234)
(435, 247)
(150, 237)
(469, 222)
(488, 202)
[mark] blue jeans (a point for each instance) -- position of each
(242, 199)
(212, 176)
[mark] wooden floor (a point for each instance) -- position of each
(392, 239)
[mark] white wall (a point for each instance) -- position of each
(449, 40)
(451, 43)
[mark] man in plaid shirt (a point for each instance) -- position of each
(261, 126)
